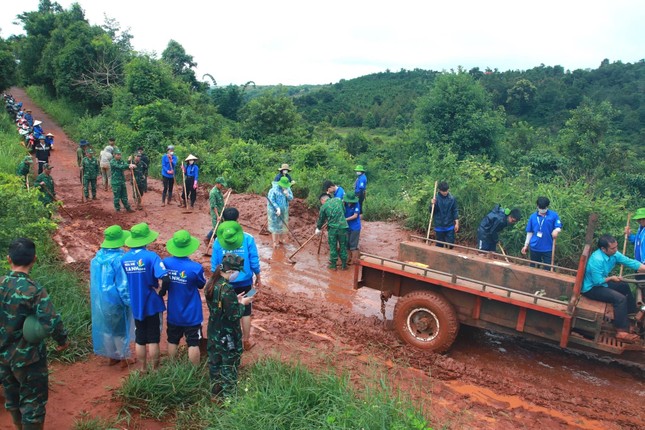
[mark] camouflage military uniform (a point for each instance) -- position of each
(119, 188)
(90, 172)
(333, 212)
(224, 332)
(216, 201)
(23, 366)
(23, 169)
(141, 176)
(47, 191)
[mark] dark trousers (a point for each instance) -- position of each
(192, 193)
(41, 164)
(361, 199)
(445, 236)
(541, 257)
(620, 296)
(168, 183)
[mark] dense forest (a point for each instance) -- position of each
(496, 136)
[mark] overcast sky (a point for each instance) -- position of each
(294, 42)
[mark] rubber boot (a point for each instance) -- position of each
(16, 417)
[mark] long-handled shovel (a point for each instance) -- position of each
(82, 186)
(503, 252)
(629, 218)
(553, 255)
(138, 196)
(56, 200)
(322, 233)
(185, 198)
(284, 222)
(27, 181)
(219, 219)
(434, 195)
(303, 245)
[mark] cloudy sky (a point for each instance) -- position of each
(296, 42)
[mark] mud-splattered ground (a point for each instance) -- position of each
(306, 313)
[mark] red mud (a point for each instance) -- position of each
(306, 313)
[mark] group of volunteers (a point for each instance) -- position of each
(340, 213)
(542, 230)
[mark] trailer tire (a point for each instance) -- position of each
(426, 320)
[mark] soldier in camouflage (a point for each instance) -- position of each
(119, 189)
(90, 169)
(139, 174)
(23, 365)
(25, 167)
(46, 184)
(224, 330)
(216, 200)
(333, 212)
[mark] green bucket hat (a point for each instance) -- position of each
(115, 237)
(116, 151)
(89, 151)
(221, 180)
(350, 197)
(182, 244)
(140, 235)
(33, 331)
(230, 235)
(232, 262)
(284, 182)
(28, 159)
(640, 214)
(359, 168)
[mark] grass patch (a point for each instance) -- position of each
(86, 423)
(64, 112)
(271, 395)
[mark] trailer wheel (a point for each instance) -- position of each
(426, 320)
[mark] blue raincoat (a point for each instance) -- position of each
(112, 322)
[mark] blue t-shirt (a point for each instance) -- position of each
(638, 240)
(248, 251)
(542, 227)
(184, 301)
(351, 209)
(143, 269)
(360, 184)
(192, 170)
(339, 193)
(167, 165)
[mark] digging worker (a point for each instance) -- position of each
(353, 217)
(191, 170)
(144, 269)
(333, 213)
(598, 285)
(168, 163)
(333, 190)
(490, 226)
(284, 171)
(541, 231)
(46, 184)
(278, 200)
(90, 169)
(25, 167)
(146, 164)
(104, 159)
(446, 215)
(80, 155)
(119, 189)
(216, 199)
(360, 185)
(42, 154)
(232, 239)
(27, 316)
(140, 182)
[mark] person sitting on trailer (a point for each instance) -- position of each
(598, 285)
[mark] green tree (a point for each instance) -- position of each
(521, 96)
(458, 113)
(269, 115)
(7, 65)
(181, 64)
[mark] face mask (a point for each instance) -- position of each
(284, 172)
(233, 275)
(542, 211)
(358, 173)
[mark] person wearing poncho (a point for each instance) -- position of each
(278, 198)
(112, 322)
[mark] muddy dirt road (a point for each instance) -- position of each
(307, 313)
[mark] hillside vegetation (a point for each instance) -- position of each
(496, 136)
